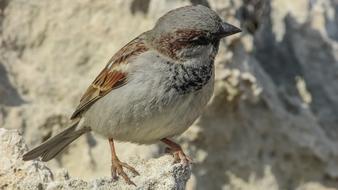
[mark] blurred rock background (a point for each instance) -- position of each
(272, 123)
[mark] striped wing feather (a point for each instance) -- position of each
(112, 76)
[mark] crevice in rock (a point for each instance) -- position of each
(140, 6)
(8, 93)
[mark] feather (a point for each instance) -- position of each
(50, 148)
(113, 76)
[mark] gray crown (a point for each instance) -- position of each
(189, 17)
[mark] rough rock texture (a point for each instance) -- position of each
(272, 123)
(157, 173)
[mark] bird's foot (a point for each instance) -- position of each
(179, 155)
(117, 170)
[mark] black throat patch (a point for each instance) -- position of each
(186, 78)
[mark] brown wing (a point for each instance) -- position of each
(112, 76)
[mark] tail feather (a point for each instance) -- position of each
(50, 148)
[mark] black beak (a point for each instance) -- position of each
(227, 30)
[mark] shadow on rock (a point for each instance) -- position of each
(9, 95)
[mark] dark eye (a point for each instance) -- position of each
(200, 40)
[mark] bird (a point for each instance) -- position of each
(151, 90)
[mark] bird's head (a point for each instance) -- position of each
(189, 32)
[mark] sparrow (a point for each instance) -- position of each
(152, 89)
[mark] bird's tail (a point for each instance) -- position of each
(50, 148)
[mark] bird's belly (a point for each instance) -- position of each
(148, 114)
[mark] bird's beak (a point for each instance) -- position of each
(227, 30)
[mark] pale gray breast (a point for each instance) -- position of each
(151, 105)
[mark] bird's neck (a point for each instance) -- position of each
(190, 76)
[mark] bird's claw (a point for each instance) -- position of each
(117, 170)
(179, 156)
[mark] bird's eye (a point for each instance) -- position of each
(200, 40)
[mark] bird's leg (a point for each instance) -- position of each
(176, 150)
(117, 166)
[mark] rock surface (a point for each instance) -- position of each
(157, 173)
(272, 123)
